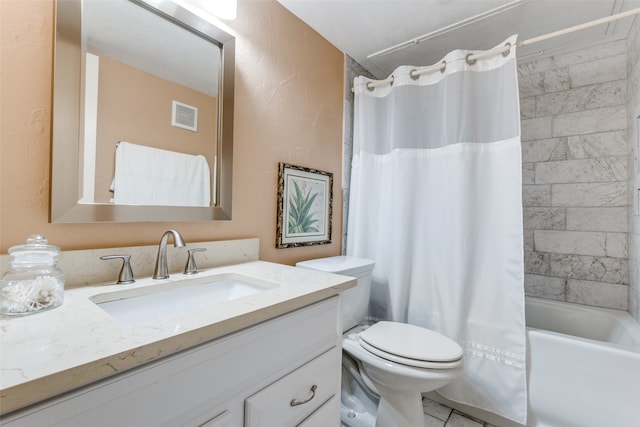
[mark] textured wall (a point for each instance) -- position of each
(574, 146)
(288, 107)
(633, 114)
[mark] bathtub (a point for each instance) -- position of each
(583, 365)
(583, 368)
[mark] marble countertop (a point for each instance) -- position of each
(48, 353)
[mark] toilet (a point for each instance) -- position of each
(397, 362)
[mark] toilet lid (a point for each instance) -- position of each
(401, 340)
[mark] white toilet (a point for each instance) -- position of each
(397, 361)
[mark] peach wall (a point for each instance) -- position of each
(288, 107)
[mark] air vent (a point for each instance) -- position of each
(184, 116)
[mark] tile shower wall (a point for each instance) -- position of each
(633, 117)
(575, 163)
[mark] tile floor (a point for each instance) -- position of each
(438, 415)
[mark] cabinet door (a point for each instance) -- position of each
(294, 397)
(327, 415)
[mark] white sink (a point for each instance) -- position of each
(155, 302)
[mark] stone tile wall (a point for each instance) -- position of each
(633, 115)
(575, 176)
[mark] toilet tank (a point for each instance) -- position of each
(354, 301)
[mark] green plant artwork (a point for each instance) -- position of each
(301, 218)
(304, 206)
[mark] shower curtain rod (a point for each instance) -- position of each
(471, 58)
(449, 28)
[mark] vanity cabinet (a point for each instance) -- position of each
(282, 372)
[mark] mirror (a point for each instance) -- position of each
(142, 114)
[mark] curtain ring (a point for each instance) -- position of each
(508, 51)
(372, 88)
(414, 76)
(442, 70)
(470, 61)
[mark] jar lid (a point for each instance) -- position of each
(37, 250)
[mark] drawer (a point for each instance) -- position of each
(221, 420)
(297, 395)
(327, 415)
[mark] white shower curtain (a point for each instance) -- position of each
(435, 200)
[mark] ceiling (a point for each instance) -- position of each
(130, 34)
(362, 28)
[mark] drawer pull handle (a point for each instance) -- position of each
(296, 402)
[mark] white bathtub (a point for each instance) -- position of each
(583, 366)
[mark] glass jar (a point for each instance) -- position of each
(33, 281)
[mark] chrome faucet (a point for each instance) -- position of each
(161, 270)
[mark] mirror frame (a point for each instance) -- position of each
(66, 131)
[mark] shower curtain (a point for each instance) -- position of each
(435, 201)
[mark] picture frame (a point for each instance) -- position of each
(305, 198)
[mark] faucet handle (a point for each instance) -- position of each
(190, 268)
(126, 273)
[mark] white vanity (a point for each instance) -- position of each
(271, 358)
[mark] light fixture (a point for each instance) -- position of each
(223, 9)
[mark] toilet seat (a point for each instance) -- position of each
(411, 345)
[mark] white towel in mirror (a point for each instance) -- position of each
(154, 177)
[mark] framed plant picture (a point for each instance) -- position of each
(304, 206)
